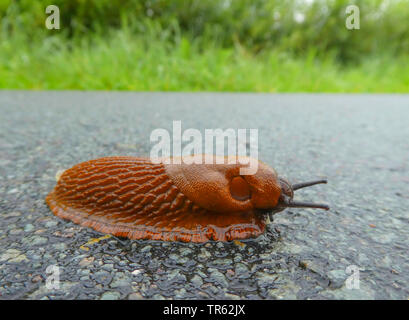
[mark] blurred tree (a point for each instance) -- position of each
(296, 27)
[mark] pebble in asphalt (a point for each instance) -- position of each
(359, 142)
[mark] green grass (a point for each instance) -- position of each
(126, 62)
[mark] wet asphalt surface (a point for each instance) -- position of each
(359, 142)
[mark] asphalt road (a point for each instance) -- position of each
(359, 142)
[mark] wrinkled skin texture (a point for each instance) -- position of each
(135, 198)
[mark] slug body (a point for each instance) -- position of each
(135, 198)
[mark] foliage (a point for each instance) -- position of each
(258, 45)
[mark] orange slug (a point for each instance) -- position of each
(138, 199)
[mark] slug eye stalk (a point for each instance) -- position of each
(297, 186)
(286, 200)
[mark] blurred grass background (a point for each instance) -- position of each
(206, 45)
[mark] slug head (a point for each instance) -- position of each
(222, 188)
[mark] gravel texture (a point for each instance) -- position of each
(359, 142)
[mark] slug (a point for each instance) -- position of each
(138, 199)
